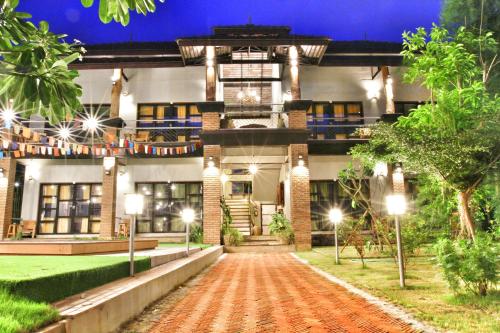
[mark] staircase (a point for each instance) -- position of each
(260, 244)
(240, 212)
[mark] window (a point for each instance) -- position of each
(326, 194)
(334, 120)
(163, 203)
(70, 209)
(406, 107)
(176, 122)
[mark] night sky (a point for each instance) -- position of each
(378, 20)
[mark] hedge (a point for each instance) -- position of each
(56, 287)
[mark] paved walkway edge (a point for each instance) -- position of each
(104, 309)
(387, 307)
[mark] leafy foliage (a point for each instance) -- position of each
(454, 138)
(119, 10)
(227, 219)
(196, 233)
(281, 227)
(34, 74)
(469, 265)
(233, 237)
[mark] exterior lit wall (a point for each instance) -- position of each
(344, 84)
(88, 171)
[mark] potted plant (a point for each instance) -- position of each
(281, 227)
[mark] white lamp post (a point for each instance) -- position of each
(134, 204)
(396, 205)
(188, 218)
(335, 216)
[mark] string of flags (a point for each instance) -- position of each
(45, 145)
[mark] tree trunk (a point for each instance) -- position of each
(464, 213)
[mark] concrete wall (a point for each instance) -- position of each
(327, 167)
(89, 171)
(265, 185)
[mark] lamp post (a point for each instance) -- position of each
(396, 205)
(134, 204)
(335, 216)
(188, 218)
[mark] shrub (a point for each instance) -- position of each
(233, 237)
(469, 265)
(227, 219)
(281, 227)
(52, 288)
(196, 233)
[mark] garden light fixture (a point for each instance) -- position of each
(380, 169)
(134, 204)
(301, 161)
(335, 216)
(108, 163)
(396, 205)
(210, 162)
(188, 216)
(2, 174)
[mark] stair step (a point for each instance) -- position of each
(264, 243)
(260, 249)
(261, 238)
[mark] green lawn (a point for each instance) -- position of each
(427, 296)
(183, 245)
(21, 315)
(28, 283)
(30, 267)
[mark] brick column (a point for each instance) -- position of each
(212, 190)
(300, 201)
(211, 194)
(6, 194)
(108, 203)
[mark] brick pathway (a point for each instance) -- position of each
(272, 293)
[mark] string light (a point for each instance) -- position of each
(64, 132)
(91, 123)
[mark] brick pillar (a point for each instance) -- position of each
(6, 194)
(300, 200)
(211, 194)
(212, 190)
(108, 203)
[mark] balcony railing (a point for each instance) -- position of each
(340, 128)
(166, 130)
(253, 116)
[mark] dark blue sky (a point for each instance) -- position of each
(380, 20)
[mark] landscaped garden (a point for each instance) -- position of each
(426, 296)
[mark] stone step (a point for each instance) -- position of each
(254, 243)
(260, 249)
(260, 238)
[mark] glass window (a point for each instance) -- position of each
(163, 204)
(327, 194)
(70, 208)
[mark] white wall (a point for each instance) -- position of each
(145, 85)
(327, 167)
(352, 84)
(88, 171)
(265, 185)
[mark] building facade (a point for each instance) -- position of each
(254, 114)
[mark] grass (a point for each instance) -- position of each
(183, 245)
(30, 267)
(28, 283)
(427, 296)
(20, 315)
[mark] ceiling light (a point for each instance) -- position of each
(253, 168)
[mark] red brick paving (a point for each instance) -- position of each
(272, 293)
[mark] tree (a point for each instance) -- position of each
(454, 137)
(118, 10)
(34, 74)
(457, 13)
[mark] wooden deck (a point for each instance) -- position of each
(72, 247)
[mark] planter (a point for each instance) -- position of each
(256, 231)
(227, 240)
